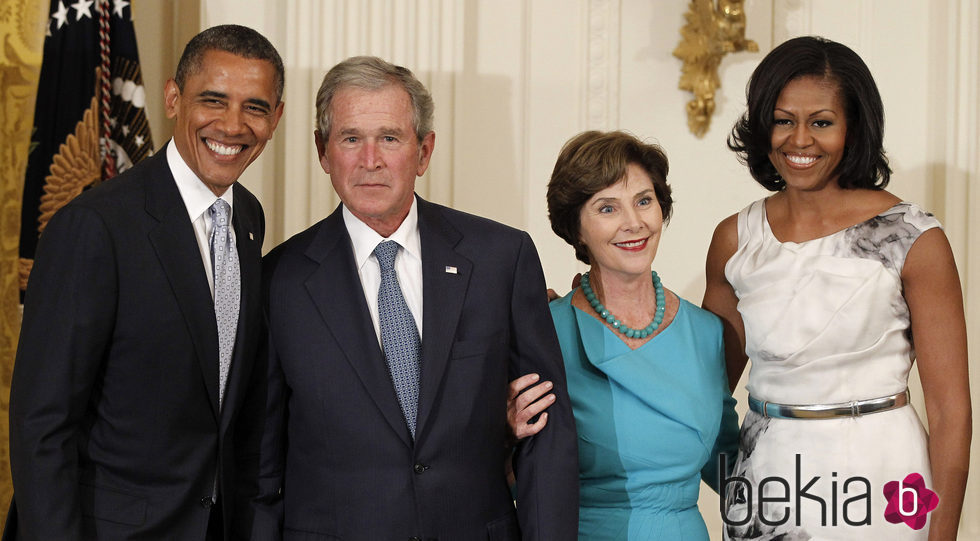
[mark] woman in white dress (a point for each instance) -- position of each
(825, 285)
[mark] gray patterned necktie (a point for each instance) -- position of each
(399, 335)
(227, 288)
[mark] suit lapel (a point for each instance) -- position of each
(176, 247)
(335, 289)
(445, 277)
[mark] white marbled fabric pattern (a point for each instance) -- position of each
(826, 322)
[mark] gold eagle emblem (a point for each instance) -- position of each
(76, 166)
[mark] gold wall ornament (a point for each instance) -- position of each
(711, 32)
(22, 34)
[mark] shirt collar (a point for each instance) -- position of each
(365, 240)
(196, 195)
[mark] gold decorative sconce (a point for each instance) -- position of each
(711, 32)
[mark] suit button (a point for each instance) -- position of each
(206, 502)
(414, 538)
(419, 468)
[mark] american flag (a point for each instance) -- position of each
(89, 118)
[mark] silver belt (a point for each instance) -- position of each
(855, 408)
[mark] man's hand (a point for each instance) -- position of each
(576, 281)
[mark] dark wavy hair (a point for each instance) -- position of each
(864, 164)
(231, 38)
(591, 162)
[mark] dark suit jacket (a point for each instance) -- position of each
(115, 431)
(338, 461)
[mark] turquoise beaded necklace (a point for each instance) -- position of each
(604, 313)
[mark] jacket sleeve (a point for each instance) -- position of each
(725, 450)
(262, 432)
(69, 314)
(546, 464)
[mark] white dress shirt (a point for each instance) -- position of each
(198, 198)
(408, 263)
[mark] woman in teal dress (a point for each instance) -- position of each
(645, 368)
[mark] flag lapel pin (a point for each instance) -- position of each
(451, 270)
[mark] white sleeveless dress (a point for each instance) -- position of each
(825, 322)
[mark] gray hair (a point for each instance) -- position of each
(373, 73)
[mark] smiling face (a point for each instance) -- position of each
(621, 225)
(373, 155)
(809, 133)
(225, 114)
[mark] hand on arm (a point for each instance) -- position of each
(546, 466)
(932, 291)
(576, 280)
(524, 403)
(720, 298)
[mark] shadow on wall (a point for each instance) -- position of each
(485, 168)
(482, 163)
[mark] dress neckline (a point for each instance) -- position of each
(580, 313)
(768, 228)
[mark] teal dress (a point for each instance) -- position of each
(650, 422)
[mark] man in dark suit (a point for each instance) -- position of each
(141, 321)
(395, 325)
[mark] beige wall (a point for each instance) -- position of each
(162, 28)
(513, 79)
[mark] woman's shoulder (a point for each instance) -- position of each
(752, 211)
(561, 308)
(873, 201)
(734, 231)
(914, 215)
(888, 236)
(702, 331)
(699, 317)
